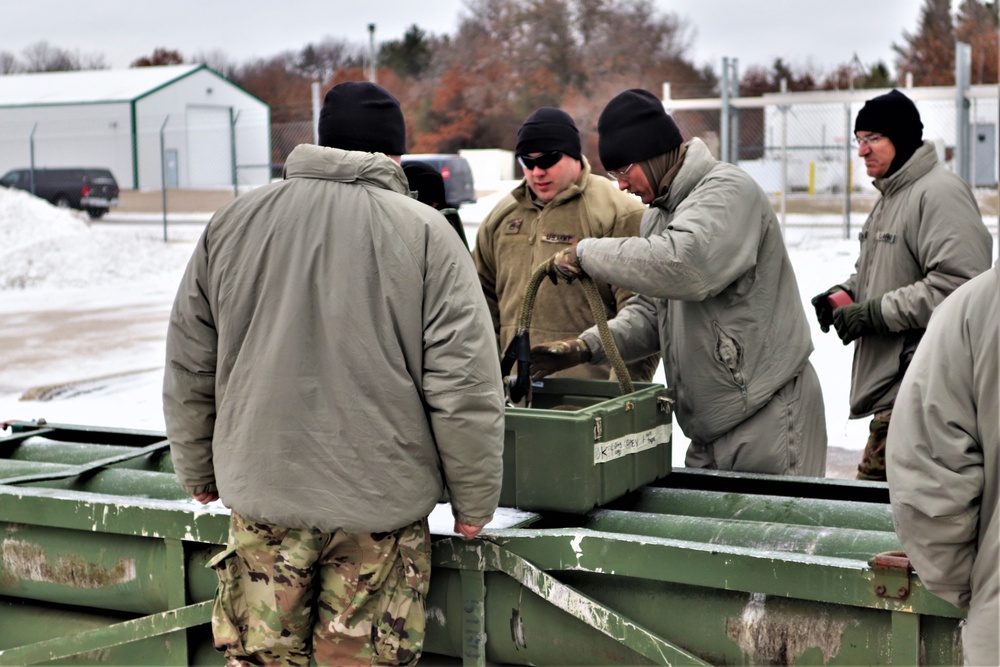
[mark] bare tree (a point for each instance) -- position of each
(43, 57)
(319, 61)
(218, 62)
(9, 63)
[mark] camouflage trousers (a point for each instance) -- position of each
(872, 466)
(287, 595)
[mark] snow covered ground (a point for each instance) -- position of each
(83, 311)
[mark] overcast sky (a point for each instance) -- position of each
(805, 33)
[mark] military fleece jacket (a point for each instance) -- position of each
(715, 291)
(924, 237)
(942, 457)
(330, 355)
(517, 236)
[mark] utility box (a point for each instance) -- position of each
(582, 444)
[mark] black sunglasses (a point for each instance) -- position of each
(543, 161)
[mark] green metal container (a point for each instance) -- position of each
(103, 564)
(582, 444)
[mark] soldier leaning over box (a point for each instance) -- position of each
(715, 293)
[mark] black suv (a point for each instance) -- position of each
(93, 190)
(454, 169)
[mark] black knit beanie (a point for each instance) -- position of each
(548, 129)
(896, 116)
(426, 180)
(362, 116)
(633, 127)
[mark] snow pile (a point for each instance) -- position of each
(45, 246)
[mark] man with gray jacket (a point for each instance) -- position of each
(924, 238)
(715, 292)
(330, 369)
(944, 448)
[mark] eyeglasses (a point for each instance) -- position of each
(620, 174)
(870, 139)
(543, 161)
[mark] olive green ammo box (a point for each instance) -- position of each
(582, 444)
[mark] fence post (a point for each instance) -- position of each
(724, 112)
(316, 110)
(163, 175)
(784, 157)
(734, 134)
(847, 168)
(232, 149)
(31, 150)
(963, 69)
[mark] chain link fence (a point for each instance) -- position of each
(798, 146)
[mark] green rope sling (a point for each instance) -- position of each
(524, 323)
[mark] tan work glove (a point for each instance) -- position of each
(564, 264)
(549, 358)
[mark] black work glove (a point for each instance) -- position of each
(549, 358)
(824, 311)
(859, 319)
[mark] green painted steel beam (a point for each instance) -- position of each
(65, 471)
(757, 507)
(801, 576)
(563, 597)
(790, 486)
(44, 450)
(473, 618)
(179, 519)
(759, 535)
(112, 635)
(906, 636)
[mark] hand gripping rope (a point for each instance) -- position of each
(519, 350)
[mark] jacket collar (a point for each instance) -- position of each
(922, 161)
(698, 161)
(334, 164)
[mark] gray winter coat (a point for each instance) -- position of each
(330, 355)
(942, 456)
(924, 237)
(715, 291)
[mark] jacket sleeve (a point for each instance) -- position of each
(627, 224)
(710, 242)
(951, 245)
(935, 464)
(461, 381)
(189, 377)
(635, 329)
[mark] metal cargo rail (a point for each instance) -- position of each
(104, 563)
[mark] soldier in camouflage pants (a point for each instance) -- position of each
(872, 466)
(343, 598)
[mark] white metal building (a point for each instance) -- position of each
(179, 126)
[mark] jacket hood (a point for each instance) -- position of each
(335, 164)
(921, 162)
(698, 161)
